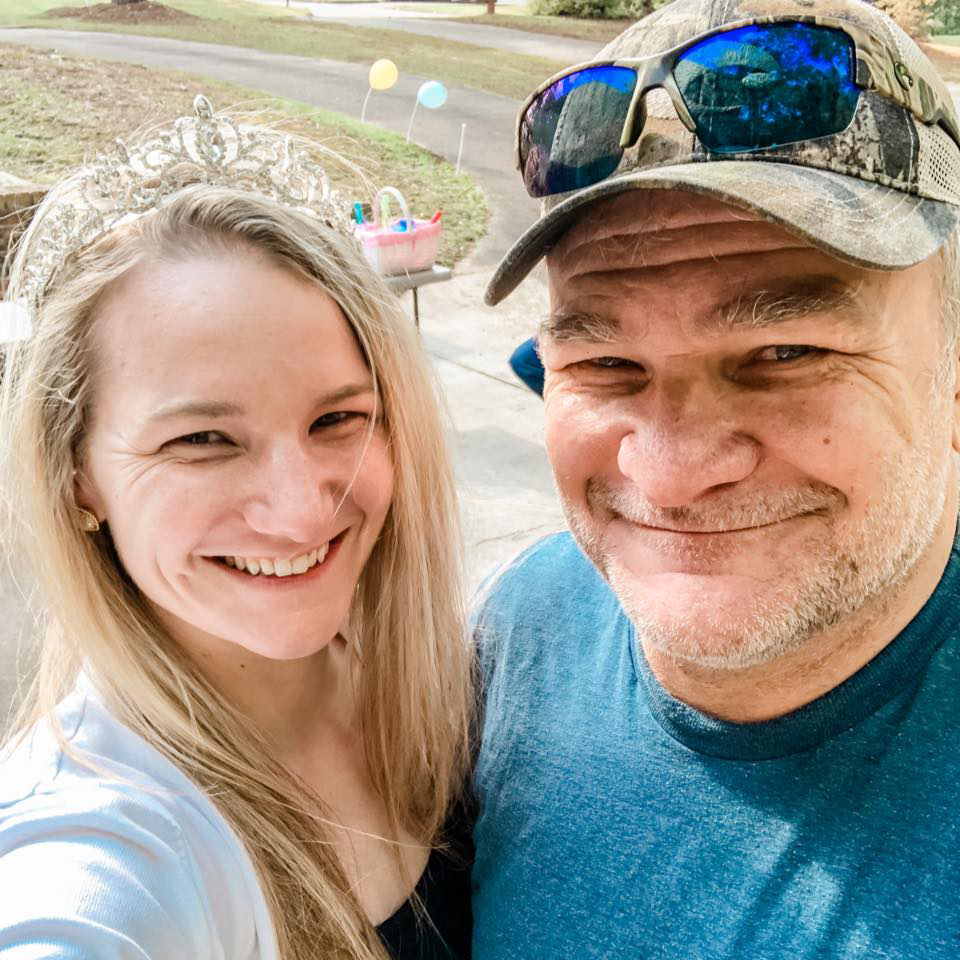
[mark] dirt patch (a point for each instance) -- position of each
(945, 57)
(141, 11)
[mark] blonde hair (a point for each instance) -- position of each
(406, 619)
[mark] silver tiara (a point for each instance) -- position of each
(205, 148)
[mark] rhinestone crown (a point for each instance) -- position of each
(213, 148)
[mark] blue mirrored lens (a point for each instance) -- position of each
(768, 84)
(570, 135)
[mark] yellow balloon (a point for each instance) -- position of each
(383, 74)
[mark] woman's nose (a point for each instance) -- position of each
(295, 496)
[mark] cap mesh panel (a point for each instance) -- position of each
(939, 165)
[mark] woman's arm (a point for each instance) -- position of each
(97, 872)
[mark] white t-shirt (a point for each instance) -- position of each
(141, 867)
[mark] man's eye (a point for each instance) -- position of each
(784, 353)
(611, 363)
(204, 438)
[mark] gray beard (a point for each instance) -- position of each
(866, 565)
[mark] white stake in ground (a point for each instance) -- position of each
(463, 130)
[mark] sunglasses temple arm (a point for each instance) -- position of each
(931, 110)
(920, 98)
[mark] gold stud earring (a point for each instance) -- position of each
(88, 521)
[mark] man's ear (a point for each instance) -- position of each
(956, 397)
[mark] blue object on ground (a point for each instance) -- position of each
(525, 363)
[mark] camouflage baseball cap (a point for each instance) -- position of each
(884, 193)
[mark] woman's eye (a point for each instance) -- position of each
(337, 418)
(204, 438)
(784, 353)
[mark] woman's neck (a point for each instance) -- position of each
(292, 703)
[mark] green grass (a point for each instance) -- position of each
(601, 31)
(55, 110)
(276, 30)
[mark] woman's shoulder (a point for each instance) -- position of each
(104, 842)
(83, 766)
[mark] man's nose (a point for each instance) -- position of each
(294, 494)
(684, 444)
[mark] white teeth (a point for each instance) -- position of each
(280, 568)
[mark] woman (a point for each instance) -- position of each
(224, 459)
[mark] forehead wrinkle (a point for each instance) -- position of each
(652, 273)
(594, 251)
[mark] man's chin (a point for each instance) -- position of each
(719, 621)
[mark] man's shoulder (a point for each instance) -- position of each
(550, 587)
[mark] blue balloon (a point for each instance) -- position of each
(432, 94)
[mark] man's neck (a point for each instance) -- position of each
(773, 689)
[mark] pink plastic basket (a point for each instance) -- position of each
(391, 251)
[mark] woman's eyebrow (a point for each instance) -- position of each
(218, 408)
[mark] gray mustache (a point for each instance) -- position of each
(753, 510)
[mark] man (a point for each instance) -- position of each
(722, 720)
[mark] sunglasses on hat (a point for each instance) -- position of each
(741, 88)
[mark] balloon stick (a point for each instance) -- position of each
(463, 130)
(383, 75)
(413, 113)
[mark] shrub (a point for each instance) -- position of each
(588, 9)
(945, 17)
(913, 16)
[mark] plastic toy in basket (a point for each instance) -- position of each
(398, 245)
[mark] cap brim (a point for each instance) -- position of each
(862, 223)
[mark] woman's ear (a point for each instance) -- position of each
(85, 493)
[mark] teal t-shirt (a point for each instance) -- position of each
(616, 822)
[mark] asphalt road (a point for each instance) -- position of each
(564, 49)
(488, 139)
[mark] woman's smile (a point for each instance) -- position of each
(301, 570)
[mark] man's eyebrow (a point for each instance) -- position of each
(216, 408)
(792, 300)
(562, 327)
